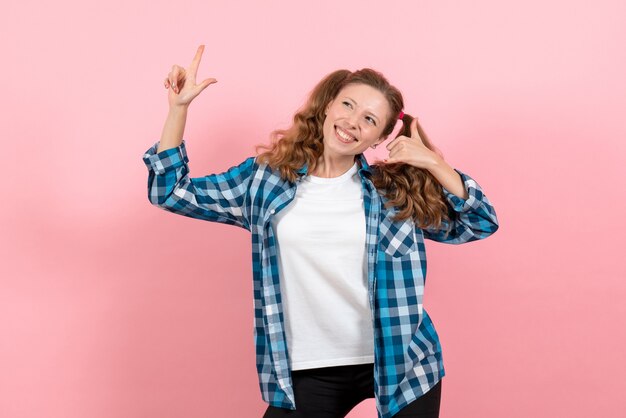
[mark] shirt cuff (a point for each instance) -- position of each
(473, 190)
(166, 160)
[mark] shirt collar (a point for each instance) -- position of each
(361, 161)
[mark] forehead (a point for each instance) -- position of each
(366, 97)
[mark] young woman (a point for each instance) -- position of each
(339, 261)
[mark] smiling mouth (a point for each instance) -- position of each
(344, 136)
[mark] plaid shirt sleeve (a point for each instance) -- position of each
(472, 219)
(215, 197)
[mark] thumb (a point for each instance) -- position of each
(206, 83)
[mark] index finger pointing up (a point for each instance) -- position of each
(193, 68)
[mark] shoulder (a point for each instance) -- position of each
(264, 173)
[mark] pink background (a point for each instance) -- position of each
(112, 308)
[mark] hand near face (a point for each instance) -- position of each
(411, 150)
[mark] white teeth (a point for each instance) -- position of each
(344, 135)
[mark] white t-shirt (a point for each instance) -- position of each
(323, 273)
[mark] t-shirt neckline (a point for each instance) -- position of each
(339, 179)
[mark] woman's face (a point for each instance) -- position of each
(355, 120)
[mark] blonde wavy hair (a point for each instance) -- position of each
(414, 192)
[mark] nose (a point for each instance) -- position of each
(352, 118)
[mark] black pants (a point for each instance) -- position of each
(331, 392)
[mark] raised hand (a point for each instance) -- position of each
(411, 150)
(182, 82)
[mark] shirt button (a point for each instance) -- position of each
(272, 211)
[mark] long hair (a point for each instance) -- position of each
(413, 191)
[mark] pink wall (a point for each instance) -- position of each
(112, 308)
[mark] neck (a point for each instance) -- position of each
(329, 167)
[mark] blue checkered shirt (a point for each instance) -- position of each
(407, 352)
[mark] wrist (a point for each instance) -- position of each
(435, 163)
(178, 109)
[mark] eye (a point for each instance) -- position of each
(348, 104)
(371, 120)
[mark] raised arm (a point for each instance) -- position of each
(182, 90)
(216, 197)
(472, 215)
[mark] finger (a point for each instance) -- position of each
(391, 159)
(179, 77)
(394, 156)
(174, 78)
(195, 63)
(206, 83)
(394, 142)
(396, 150)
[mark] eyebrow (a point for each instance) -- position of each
(369, 112)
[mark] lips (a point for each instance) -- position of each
(343, 136)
